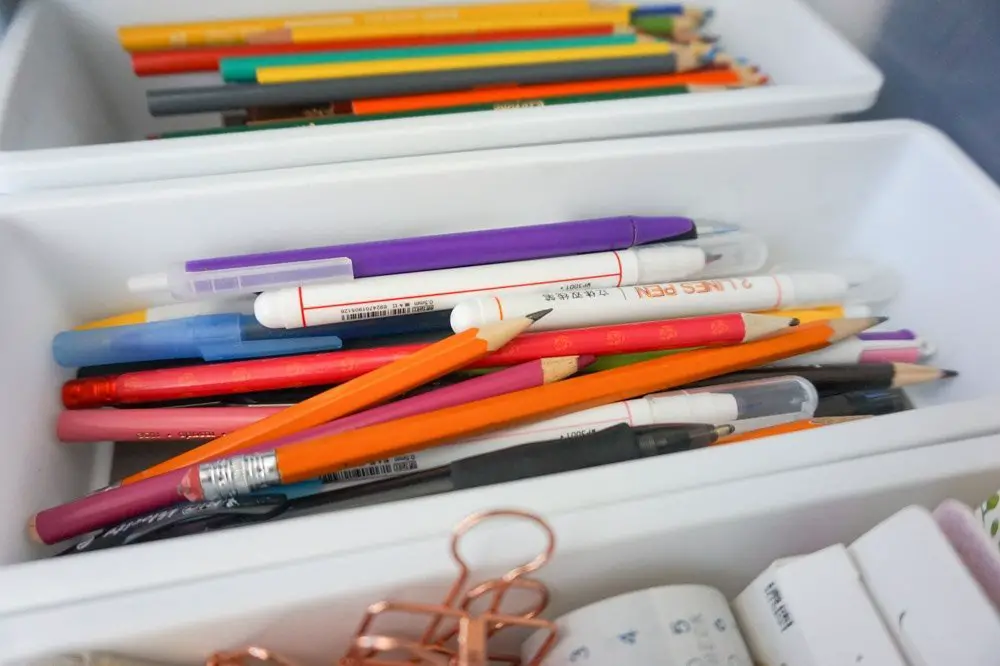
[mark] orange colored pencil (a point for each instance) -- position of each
(436, 360)
(711, 77)
(322, 455)
(785, 428)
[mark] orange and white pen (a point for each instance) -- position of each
(389, 295)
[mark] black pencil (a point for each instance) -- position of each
(835, 379)
(176, 101)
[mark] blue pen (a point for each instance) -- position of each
(215, 337)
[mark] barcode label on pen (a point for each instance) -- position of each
(368, 314)
(375, 470)
(379, 310)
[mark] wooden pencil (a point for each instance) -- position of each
(325, 33)
(840, 378)
(246, 30)
(404, 103)
(447, 63)
(315, 457)
(436, 360)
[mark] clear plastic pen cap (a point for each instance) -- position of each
(730, 253)
(190, 285)
(787, 395)
(868, 283)
(714, 255)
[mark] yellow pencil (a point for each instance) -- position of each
(322, 33)
(237, 31)
(445, 63)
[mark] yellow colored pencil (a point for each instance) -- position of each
(322, 33)
(147, 37)
(445, 63)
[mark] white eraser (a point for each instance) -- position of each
(814, 611)
(929, 600)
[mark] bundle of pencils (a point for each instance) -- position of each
(346, 67)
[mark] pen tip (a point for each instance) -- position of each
(725, 430)
(535, 316)
(711, 257)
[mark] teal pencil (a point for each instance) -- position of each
(244, 70)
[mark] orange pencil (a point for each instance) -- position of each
(711, 77)
(429, 363)
(784, 428)
(322, 455)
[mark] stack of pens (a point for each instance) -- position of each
(326, 377)
(319, 69)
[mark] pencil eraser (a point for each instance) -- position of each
(934, 608)
(967, 535)
(813, 610)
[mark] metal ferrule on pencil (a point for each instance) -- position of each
(239, 475)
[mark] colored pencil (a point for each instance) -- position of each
(711, 77)
(182, 61)
(677, 28)
(447, 63)
(342, 366)
(305, 34)
(323, 455)
(429, 363)
(785, 428)
(240, 31)
(117, 504)
(175, 101)
(834, 379)
(244, 70)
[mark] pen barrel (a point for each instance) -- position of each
(616, 444)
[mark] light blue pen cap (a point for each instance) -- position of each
(208, 337)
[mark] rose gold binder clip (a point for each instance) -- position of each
(465, 643)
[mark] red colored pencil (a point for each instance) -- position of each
(332, 368)
(180, 61)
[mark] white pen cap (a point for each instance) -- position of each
(865, 282)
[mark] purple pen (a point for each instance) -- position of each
(249, 273)
(901, 334)
(474, 248)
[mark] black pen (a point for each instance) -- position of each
(619, 443)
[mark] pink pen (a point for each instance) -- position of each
(136, 425)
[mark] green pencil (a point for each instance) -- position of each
(244, 70)
(499, 106)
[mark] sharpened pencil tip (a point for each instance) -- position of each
(949, 373)
(879, 320)
(794, 322)
(535, 316)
